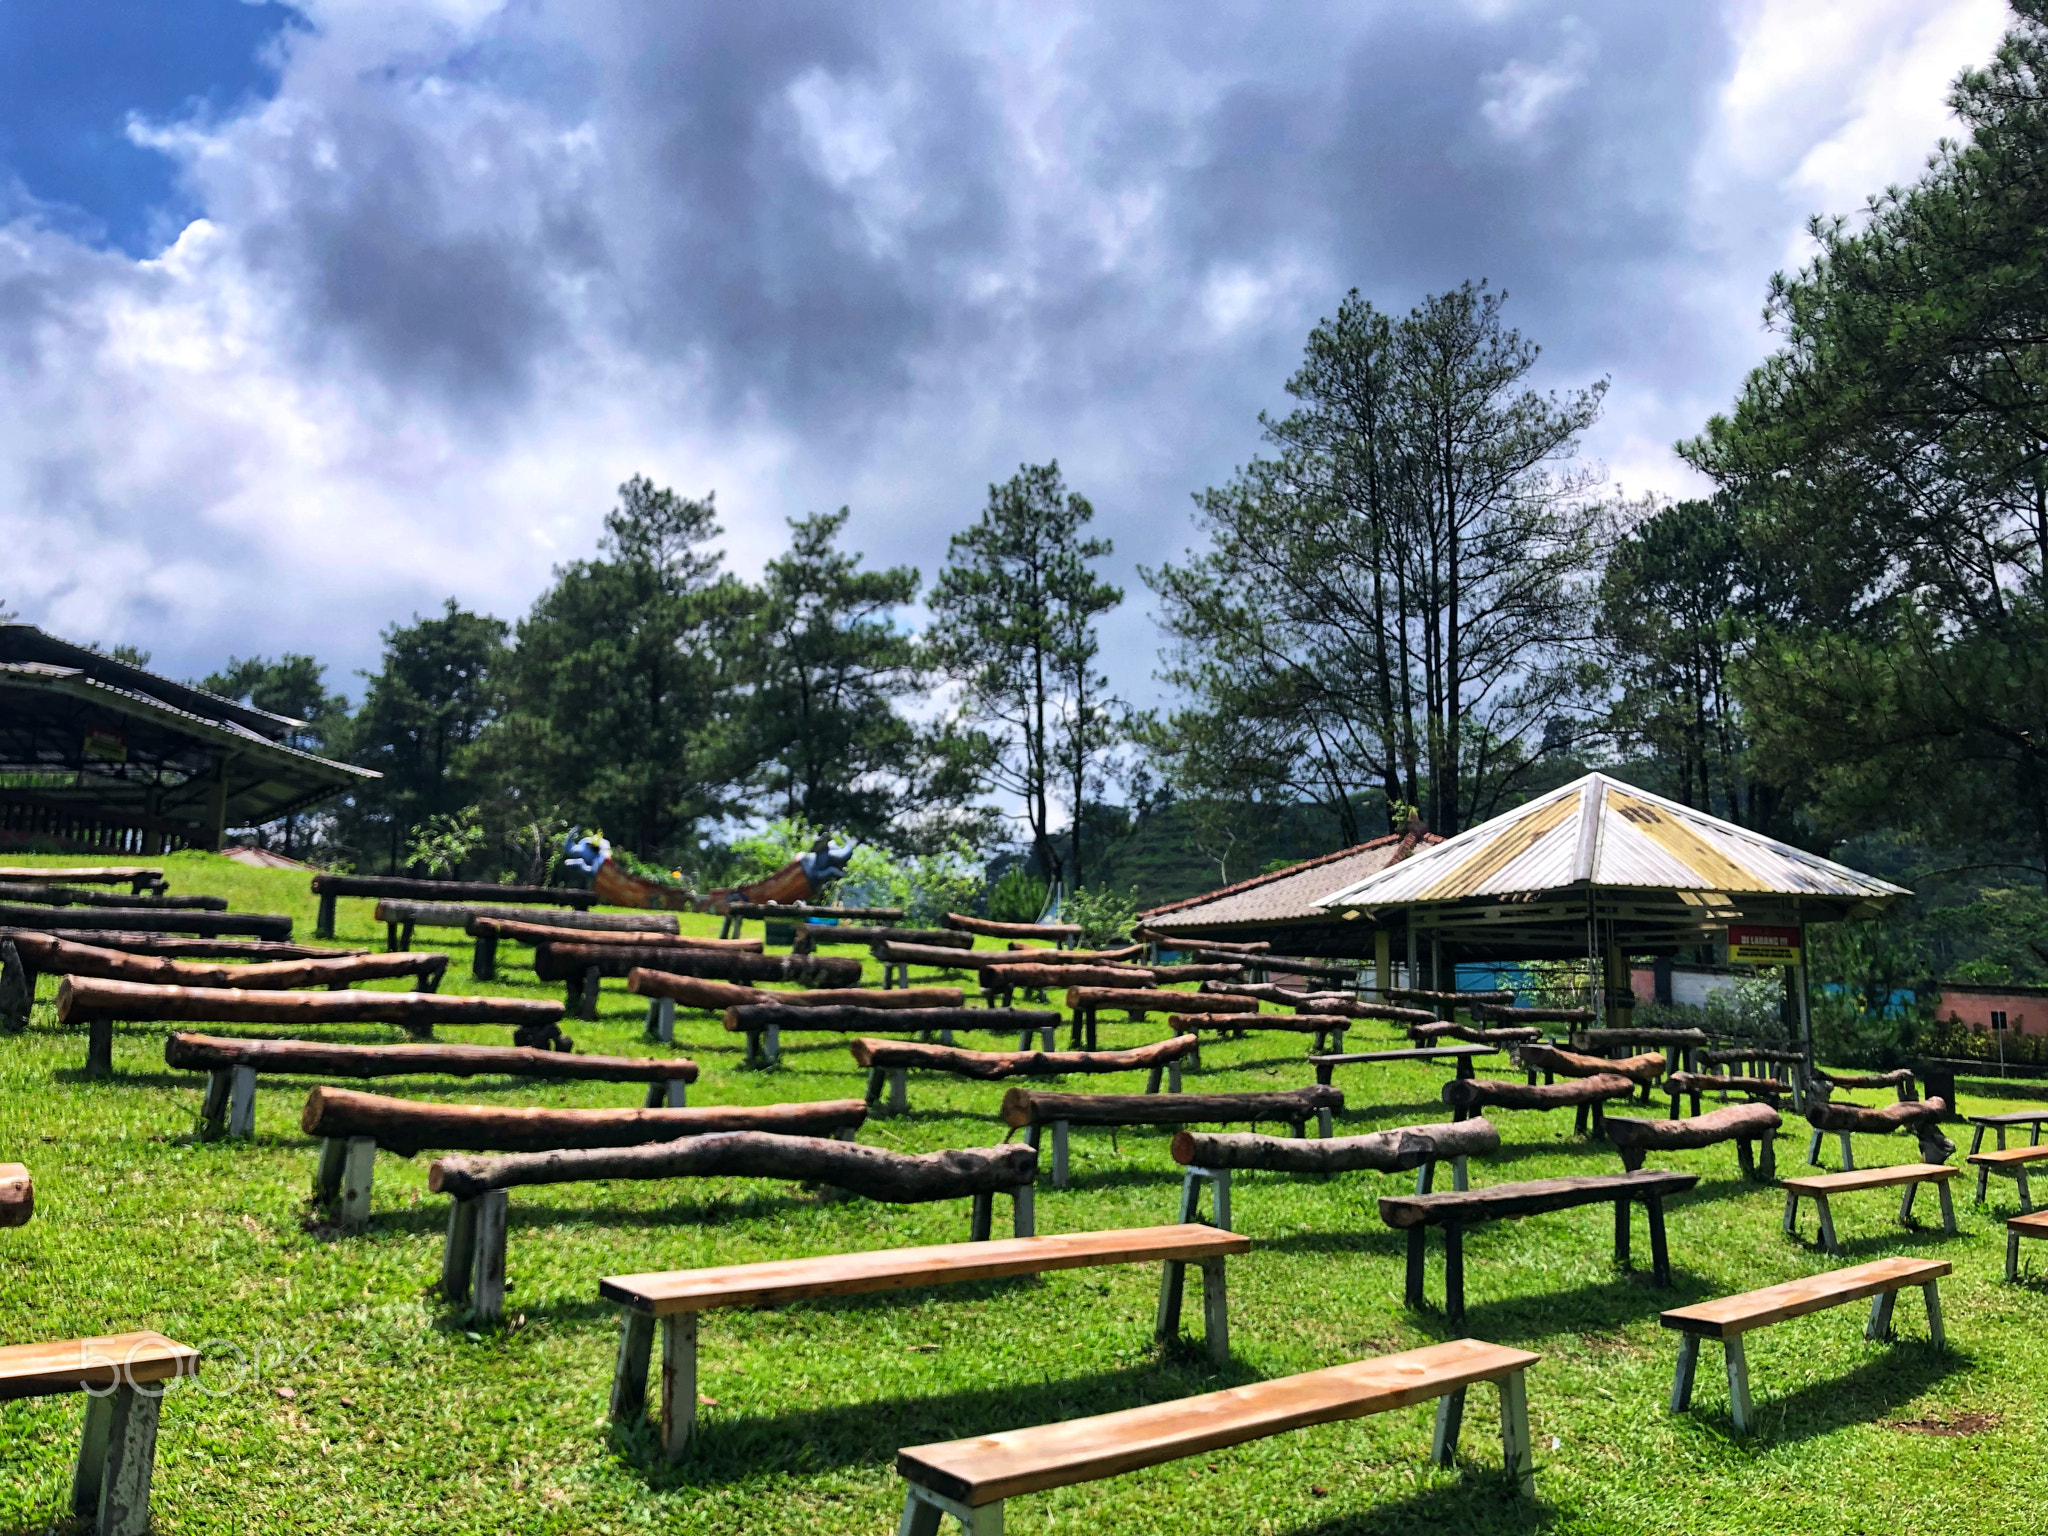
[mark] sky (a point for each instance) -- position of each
(312, 316)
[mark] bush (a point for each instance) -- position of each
(1019, 897)
(1105, 916)
(1972, 1042)
(926, 886)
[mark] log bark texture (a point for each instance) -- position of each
(1615, 1039)
(1032, 1106)
(1143, 1002)
(1882, 1121)
(1294, 1023)
(180, 947)
(1477, 1092)
(988, 928)
(1452, 999)
(402, 889)
(460, 914)
(314, 1058)
(1003, 978)
(52, 955)
(261, 925)
(994, 1066)
(1534, 1057)
(1394, 1151)
(1488, 1014)
(1340, 1006)
(1634, 1138)
(558, 962)
(1282, 967)
(17, 1195)
(1709, 1082)
(87, 874)
(797, 911)
(1429, 1033)
(1900, 1080)
(870, 1172)
(945, 959)
(1039, 956)
(1177, 944)
(522, 931)
(77, 896)
(717, 996)
(1506, 1201)
(1207, 975)
(82, 997)
(842, 1020)
(1729, 1057)
(816, 935)
(407, 1126)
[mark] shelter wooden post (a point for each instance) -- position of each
(1382, 962)
(1621, 997)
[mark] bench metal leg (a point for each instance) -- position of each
(1906, 1205)
(1454, 1274)
(771, 1045)
(1323, 1126)
(1745, 1159)
(2012, 1255)
(899, 1090)
(981, 1223)
(1152, 1078)
(1215, 1312)
(2026, 1197)
(1450, 1418)
(1514, 1433)
(1848, 1151)
(110, 1487)
(242, 1103)
(1948, 1209)
(678, 1382)
(629, 1378)
(358, 1168)
(1880, 1324)
(487, 1282)
(213, 1112)
(1173, 1075)
(922, 1509)
(1173, 1278)
(1024, 1211)
(1059, 1154)
(1660, 1254)
(1813, 1151)
(1738, 1383)
(99, 1046)
(1425, 1177)
(1931, 1291)
(1413, 1294)
(1827, 1226)
(458, 1258)
(1791, 1213)
(323, 925)
(1621, 1235)
(1688, 1366)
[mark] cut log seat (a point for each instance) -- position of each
(676, 1298)
(1326, 1033)
(137, 877)
(664, 990)
(810, 936)
(352, 1127)
(800, 911)
(1025, 975)
(1500, 1013)
(50, 895)
(184, 947)
(1731, 1317)
(1056, 933)
(235, 1064)
(1621, 1039)
(1455, 1210)
(2013, 1163)
(1534, 1057)
(765, 1022)
(1178, 975)
(1433, 999)
(1460, 1056)
(1031, 1109)
(488, 932)
(375, 887)
(99, 1003)
(1209, 1158)
(1086, 1002)
(1901, 1081)
(579, 966)
(1746, 1125)
(49, 954)
(889, 1063)
(473, 1262)
(1472, 1034)
(1921, 1117)
(17, 1195)
(938, 957)
(1180, 944)
(1340, 1003)
(69, 920)
(1347, 974)
(1821, 1188)
(1692, 1085)
(1038, 955)
(124, 1377)
(1587, 1095)
(970, 1479)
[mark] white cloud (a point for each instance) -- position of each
(1521, 96)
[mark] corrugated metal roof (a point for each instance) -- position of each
(1601, 831)
(1282, 896)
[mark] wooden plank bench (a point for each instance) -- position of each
(970, 1479)
(1730, 1317)
(1456, 1210)
(675, 1298)
(17, 1195)
(1821, 1187)
(1209, 1159)
(2034, 1119)
(399, 888)
(1031, 1109)
(2034, 1224)
(2013, 1162)
(889, 1063)
(1460, 1056)
(764, 1022)
(117, 1453)
(1752, 1127)
(233, 1066)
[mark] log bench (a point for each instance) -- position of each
(1006, 980)
(43, 953)
(399, 888)
(889, 1063)
(1921, 1117)
(1746, 1125)
(1031, 1109)
(580, 966)
(1899, 1081)
(473, 1262)
(17, 1195)
(1505, 1014)
(765, 1022)
(675, 1298)
(2032, 1118)
(1061, 935)
(401, 918)
(1209, 1159)
(137, 877)
(1456, 1210)
(2033, 1224)
(1693, 1085)
(40, 894)
(1473, 1034)
(1760, 1058)
(2011, 1162)
(1680, 1045)
(1327, 1033)
(1553, 1063)
(1436, 1002)
(99, 1003)
(352, 1127)
(233, 1066)
(120, 1375)
(1313, 1002)
(489, 931)
(1345, 975)
(1730, 1317)
(1587, 1095)
(1822, 1187)
(1460, 1056)
(897, 959)
(815, 935)
(970, 1479)
(255, 925)
(663, 990)
(1139, 1003)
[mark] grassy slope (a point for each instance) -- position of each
(399, 1420)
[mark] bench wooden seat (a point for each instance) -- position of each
(402, 888)
(1752, 1127)
(1031, 1109)
(17, 1195)
(1455, 1210)
(1460, 1056)
(1209, 1158)
(888, 1064)
(1586, 1096)
(765, 1021)
(2034, 1224)
(969, 1479)
(2033, 1118)
(1140, 1002)
(1820, 1187)
(1730, 1317)
(117, 1453)
(2013, 1162)
(676, 1297)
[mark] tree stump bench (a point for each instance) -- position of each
(98, 1004)
(400, 918)
(970, 1479)
(233, 1066)
(676, 1298)
(1747, 1125)
(487, 932)
(1921, 1117)
(351, 1127)
(1757, 1061)
(889, 1064)
(1586, 1095)
(1820, 1188)
(17, 1195)
(1139, 1003)
(1553, 1063)
(48, 954)
(1694, 1085)
(1031, 1110)
(473, 1262)
(1210, 1159)
(1328, 1034)
(2034, 1224)
(2013, 1163)
(117, 1452)
(1680, 1046)
(764, 1023)
(1460, 1056)
(1730, 1317)
(1459, 1209)
(2000, 1124)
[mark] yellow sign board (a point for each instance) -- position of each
(1749, 944)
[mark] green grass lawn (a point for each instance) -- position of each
(341, 1397)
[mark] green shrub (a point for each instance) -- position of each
(1105, 916)
(1019, 897)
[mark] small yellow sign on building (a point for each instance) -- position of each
(1749, 944)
